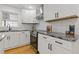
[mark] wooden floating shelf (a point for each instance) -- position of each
(63, 18)
(30, 23)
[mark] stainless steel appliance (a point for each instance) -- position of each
(33, 40)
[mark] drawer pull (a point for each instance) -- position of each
(58, 42)
(44, 37)
(48, 45)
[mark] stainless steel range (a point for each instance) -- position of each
(33, 40)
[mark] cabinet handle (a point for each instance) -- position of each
(48, 45)
(58, 42)
(26, 35)
(44, 37)
(8, 38)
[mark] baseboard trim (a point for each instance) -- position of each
(19, 46)
(34, 49)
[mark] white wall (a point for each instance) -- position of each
(14, 10)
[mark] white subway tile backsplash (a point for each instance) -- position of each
(58, 26)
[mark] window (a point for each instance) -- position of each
(13, 17)
(11, 23)
(10, 19)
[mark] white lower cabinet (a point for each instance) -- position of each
(15, 39)
(60, 50)
(12, 40)
(25, 37)
(44, 44)
(6, 41)
(2, 41)
(51, 45)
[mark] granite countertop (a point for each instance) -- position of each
(59, 35)
(15, 30)
(19, 30)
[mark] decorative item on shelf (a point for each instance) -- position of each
(67, 34)
(49, 28)
(71, 32)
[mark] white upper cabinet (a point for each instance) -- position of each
(28, 16)
(53, 11)
(67, 10)
(49, 12)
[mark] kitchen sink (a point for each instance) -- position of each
(4, 29)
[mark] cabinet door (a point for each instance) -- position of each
(52, 39)
(62, 9)
(13, 39)
(67, 10)
(25, 37)
(7, 41)
(50, 10)
(43, 44)
(10, 40)
(62, 46)
(2, 42)
(60, 50)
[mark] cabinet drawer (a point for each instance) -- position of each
(45, 37)
(59, 50)
(63, 43)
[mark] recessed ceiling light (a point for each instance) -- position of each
(30, 7)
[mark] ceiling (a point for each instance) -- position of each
(25, 6)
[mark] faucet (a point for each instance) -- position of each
(9, 27)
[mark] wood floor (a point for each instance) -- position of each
(27, 49)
